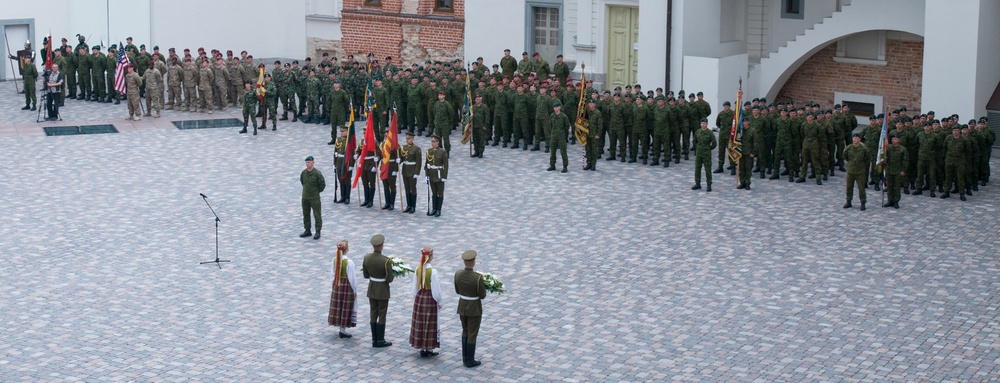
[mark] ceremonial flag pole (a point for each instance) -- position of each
(581, 126)
(467, 114)
(883, 148)
(735, 149)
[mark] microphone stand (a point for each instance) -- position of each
(217, 261)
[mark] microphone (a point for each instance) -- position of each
(202, 195)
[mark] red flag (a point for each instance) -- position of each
(48, 53)
(390, 144)
(352, 144)
(369, 147)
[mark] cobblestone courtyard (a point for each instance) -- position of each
(623, 274)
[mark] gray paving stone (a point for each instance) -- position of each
(623, 274)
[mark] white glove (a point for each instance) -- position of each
(444, 180)
(416, 176)
(397, 160)
(393, 174)
(374, 169)
(426, 178)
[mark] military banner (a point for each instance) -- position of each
(735, 149)
(466, 123)
(389, 145)
(581, 127)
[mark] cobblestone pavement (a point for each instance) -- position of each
(623, 274)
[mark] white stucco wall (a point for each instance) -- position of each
(782, 30)
(942, 90)
(491, 27)
(987, 72)
(266, 28)
(652, 44)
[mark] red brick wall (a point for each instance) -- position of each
(899, 81)
(379, 29)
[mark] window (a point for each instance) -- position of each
(862, 48)
(373, 3)
(444, 5)
(860, 108)
(791, 9)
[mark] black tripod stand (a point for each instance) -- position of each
(217, 261)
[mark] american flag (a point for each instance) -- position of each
(120, 70)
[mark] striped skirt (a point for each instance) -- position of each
(424, 329)
(342, 311)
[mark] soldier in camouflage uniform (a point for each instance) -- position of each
(811, 134)
(414, 119)
(640, 133)
(235, 87)
(98, 62)
(271, 99)
(205, 81)
(337, 106)
(312, 100)
(895, 162)
(616, 135)
(69, 69)
(559, 127)
(542, 110)
(927, 143)
(987, 139)
(783, 147)
(596, 120)
(132, 84)
(84, 63)
(480, 126)
(724, 121)
(749, 146)
(220, 85)
(871, 137)
(500, 114)
(174, 83)
(153, 81)
(190, 73)
(249, 107)
(858, 156)
(704, 142)
(443, 120)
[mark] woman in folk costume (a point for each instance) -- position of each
(426, 303)
(343, 302)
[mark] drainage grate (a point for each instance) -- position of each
(208, 124)
(75, 130)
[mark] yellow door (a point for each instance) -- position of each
(623, 33)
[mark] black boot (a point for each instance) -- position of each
(945, 195)
(800, 180)
(847, 205)
(785, 173)
(862, 206)
(274, 125)
(960, 196)
(117, 101)
(718, 169)
(657, 162)
(316, 236)
(708, 188)
(284, 116)
(307, 233)
(471, 359)
(392, 201)
(380, 330)
(774, 176)
(906, 189)
(295, 117)
(437, 206)
(465, 350)
(732, 172)
(932, 193)
(551, 168)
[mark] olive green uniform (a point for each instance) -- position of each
(313, 183)
(858, 157)
(559, 127)
(704, 141)
(896, 160)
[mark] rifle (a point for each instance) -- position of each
(11, 60)
(336, 174)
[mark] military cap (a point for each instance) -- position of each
(525, 53)
(345, 127)
(931, 112)
(902, 108)
(435, 137)
(762, 99)
(469, 255)
(127, 38)
(701, 94)
(64, 40)
(607, 91)
(171, 49)
(440, 91)
(726, 103)
(408, 133)
(627, 86)
(555, 104)
(873, 117)
(956, 127)
(837, 106)
(113, 46)
(746, 103)
(428, 62)
(618, 88)
(755, 107)
(659, 98)
(559, 55)
(856, 135)
(972, 121)
(310, 158)
(156, 47)
(377, 239)
(591, 101)
(756, 100)
(534, 54)
(96, 47)
(507, 50)
(704, 120)
(142, 46)
(691, 95)
(984, 119)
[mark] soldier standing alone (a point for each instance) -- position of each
(377, 269)
(858, 156)
(313, 183)
(471, 290)
(704, 142)
(559, 127)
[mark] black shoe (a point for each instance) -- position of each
(587, 167)
(535, 148)
(284, 117)
(515, 146)
(717, 170)
(622, 159)
(975, 186)
(117, 101)
(774, 176)
(841, 168)
(495, 143)
(593, 168)
(785, 173)
(425, 353)
(471, 358)
(644, 161)
(26, 107)
(762, 175)
(791, 178)
(547, 150)
(345, 335)
(610, 158)
(982, 183)
(505, 144)
(677, 160)
(945, 195)
(961, 197)
(732, 172)
(819, 181)
(906, 190)
(847, 205)
(696, 187)
(295, 117)
(551, 168)
(812, 175)
(895, 205)
(824, 177)
(742, 186)
(631, 160)
(316, 236)
(769, 171)
(932, 194)
(887, 204)
(331, 142)
(800, 180)
(862, 206)
(831, 174)
(708, 188)
(918, 192)
(878, 186)
(305, 234)
(564, 170)
(928, 187)
(954, 189)
(747, 187)
(686, 156)
(244, 130)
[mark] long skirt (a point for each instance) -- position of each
(342, 310)
(424, 329)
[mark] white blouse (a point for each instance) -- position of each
(435, 285)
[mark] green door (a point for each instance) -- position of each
(622, 57)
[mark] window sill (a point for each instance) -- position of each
(318, 17)
(848, 60)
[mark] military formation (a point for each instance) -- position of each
(377, 268)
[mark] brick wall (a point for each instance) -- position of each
(899, 81)
(408, 30)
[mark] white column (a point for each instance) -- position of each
(652, 44)
(951, 44)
